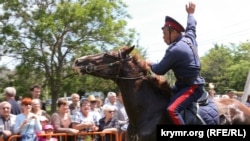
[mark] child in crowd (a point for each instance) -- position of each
(48, 131)
(44, 121)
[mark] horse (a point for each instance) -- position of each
(145, 95)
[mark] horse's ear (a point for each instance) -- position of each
(129, 50)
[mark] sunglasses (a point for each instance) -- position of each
(92, 102)
(26, 104)
(111, 111)
(64, 104)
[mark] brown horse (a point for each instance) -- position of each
(146, 97)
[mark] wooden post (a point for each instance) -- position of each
(246, 89)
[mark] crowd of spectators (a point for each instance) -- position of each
(28, 117)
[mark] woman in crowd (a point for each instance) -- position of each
(36, 109)
(108, 122)
(99, 104)
(61, 120)
(85, 120)
(27, 123)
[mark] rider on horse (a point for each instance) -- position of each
(181, 56)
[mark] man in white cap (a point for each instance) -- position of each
(111, 96)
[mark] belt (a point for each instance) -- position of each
(185, 79)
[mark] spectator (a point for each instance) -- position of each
(121, 114)
(61, 120)
(99, 106)
(35, 91)
(93, 107)
(20, 98)
(10, 93)
(108, 122)
(44, 121)
(36, 109)
(84, 120)
(48, 130)
(111, 99)
(74, 106)
(231, 93)
(7, 120)
(27, 123)
(211, 91)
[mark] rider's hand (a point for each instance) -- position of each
(190, 8)
(148, 63)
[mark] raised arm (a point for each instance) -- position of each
(191, 22)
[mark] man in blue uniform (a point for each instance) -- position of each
(181, 56)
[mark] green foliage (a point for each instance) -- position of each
(227, 66)
(47, 36)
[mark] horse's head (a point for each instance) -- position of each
(108, 65)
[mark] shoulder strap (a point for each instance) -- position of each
(194, 51)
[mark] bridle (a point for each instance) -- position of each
(96, 68)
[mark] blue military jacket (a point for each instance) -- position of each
(182, 57)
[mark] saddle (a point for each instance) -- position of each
(204, 111)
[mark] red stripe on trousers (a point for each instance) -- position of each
(177, 102)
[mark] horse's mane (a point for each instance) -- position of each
(156, 80)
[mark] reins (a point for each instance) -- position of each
(95, 68)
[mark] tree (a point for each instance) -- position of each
(227, 66)
(214, 65)
(238, 71)
(47, 35)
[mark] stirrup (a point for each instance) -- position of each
(198, 116)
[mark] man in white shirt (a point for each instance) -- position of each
(7, 120)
